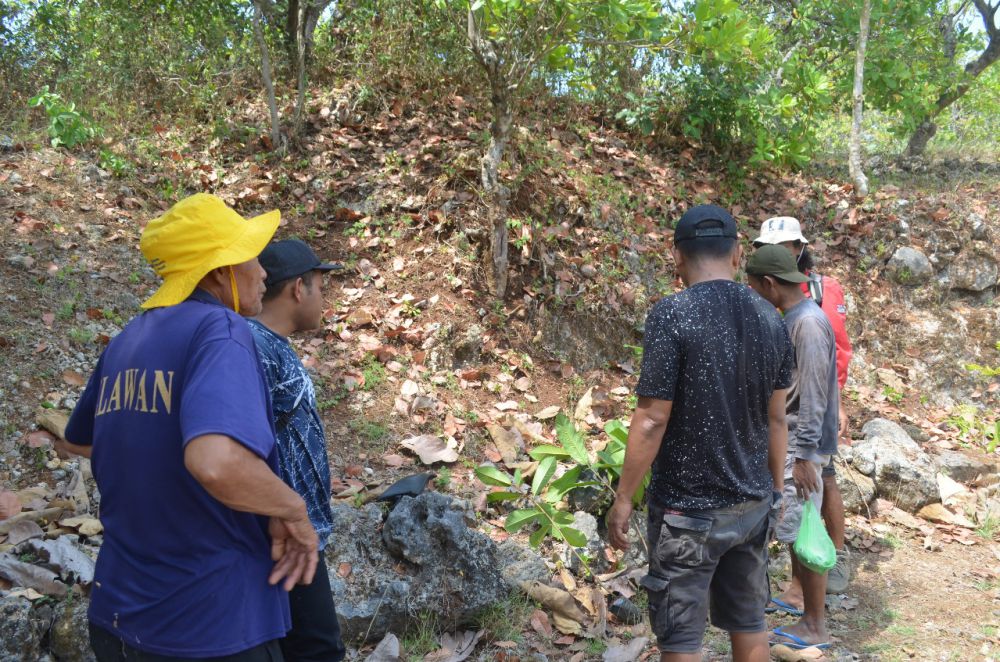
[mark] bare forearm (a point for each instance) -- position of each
(777, 439)
(64, 447)
(644, 438)
(242, 481)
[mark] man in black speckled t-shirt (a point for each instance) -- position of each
(711, 422)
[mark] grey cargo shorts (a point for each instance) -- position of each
(707, 561)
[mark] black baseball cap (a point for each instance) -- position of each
(705, 221)
(290, 258)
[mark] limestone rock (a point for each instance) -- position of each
(521, 564)
(974, 269)
(903, 473)
(69, 638)
(20, 635)
(425, 560)
(857, 489)
(908, 266)
(586, 524)
(962, 467)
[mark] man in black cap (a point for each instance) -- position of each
(293, 302)
(711, 422)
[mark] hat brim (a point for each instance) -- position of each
(329, 267)
(178, 287)
(779, 238)
(787, 276)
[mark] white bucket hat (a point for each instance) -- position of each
(780, 229)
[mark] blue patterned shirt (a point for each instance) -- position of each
(302, 456)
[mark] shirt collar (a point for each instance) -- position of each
(204, 296)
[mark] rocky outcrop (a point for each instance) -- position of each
(901, 471)
(424, 561)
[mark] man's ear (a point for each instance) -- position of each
(737, 256)
(678, 257)
(298, 289)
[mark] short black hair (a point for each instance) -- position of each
(806, 262)
(275, 290)
(707, 248)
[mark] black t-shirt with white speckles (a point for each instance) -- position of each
(718, 351)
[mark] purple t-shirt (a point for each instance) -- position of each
(179, 573)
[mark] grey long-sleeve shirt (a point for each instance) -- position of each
(812, 405)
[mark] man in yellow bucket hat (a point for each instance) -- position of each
(199, 531)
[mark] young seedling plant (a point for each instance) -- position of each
(570, 460)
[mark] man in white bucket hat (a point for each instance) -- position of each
(827, 292)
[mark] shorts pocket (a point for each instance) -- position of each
(659, 610)
(682, 539)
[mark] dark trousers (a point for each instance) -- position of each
(315, 633)
(109, 648)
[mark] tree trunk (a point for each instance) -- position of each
(496, 193)
(927, 128)
(311, 10)
(292, 28)
(854, 159)
(265, 69)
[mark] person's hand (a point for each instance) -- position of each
(618, 522)
(294, 546)
(805, 478)
(62, 449)
(843, 424)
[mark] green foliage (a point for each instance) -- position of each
(117, 165)
(569, 458)
(373, 373)
(67, 127)
(975, 427)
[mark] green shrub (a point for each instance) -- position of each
(67, 127)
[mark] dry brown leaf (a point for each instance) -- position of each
(431, 449)
(386, 651)
(626, 652)
(40, 439)
(507, 442)
(73, 378)
(566, 615)
(547, 413)
(87, 526)
(539, 622)
(455, 647)
(10, 504)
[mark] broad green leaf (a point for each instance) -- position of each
(616, 430)
(494, 497)
(519, 518)
(573, 536)
(490, 475)
(568, 481)
(547, 450)
(536, 538)
(543, 474)
(572, 440)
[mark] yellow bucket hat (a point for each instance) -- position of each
(196, 235)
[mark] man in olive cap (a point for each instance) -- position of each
(811, 411)
(198, 528)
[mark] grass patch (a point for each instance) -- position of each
(988, 527)
(373, 372)
(443, 480)
(370, 431)
(505, 620)
(421, 637)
